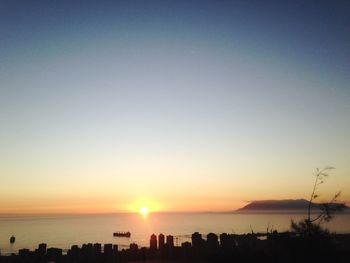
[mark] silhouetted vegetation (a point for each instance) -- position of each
(307, 242)
(311, 226)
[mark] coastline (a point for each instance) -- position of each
(207, 249)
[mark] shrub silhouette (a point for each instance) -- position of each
(311, 226)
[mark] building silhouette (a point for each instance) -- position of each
(212, 241)
(153, 242)
(53, 253)
(197, 240)
(97, 249)
(284, 247)
(226, 242)
(41, 249)
(108, 250)
(170, 241)
(133, 247)
(161, 241)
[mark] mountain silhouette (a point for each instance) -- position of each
(286, 204)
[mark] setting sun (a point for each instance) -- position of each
(144, 206)
(174, 131)
(144, 211)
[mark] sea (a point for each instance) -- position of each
(63, 231)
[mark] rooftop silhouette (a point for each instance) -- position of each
(252, 247)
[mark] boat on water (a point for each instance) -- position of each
(12, 239)
(122, 234)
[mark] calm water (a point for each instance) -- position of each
(65, 231)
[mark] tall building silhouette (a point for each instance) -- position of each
(212, 241)
(197, 240)
(108, 250)
(161, 241)
(153, 242)
(170, 241)
(42, 249)
(97, 249)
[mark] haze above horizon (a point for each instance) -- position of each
(171, 105)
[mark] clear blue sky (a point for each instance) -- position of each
(109, 104)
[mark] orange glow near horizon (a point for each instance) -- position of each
(164, 195)
(144, 206)
(167, 108)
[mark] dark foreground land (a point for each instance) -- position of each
(270, 247)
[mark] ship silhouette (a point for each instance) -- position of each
(122, 234)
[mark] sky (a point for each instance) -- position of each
(109, 106)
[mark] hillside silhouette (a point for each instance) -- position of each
(282, 205)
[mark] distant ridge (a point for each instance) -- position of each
(275, 205)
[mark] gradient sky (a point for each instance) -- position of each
(177, 105)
